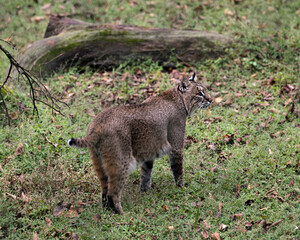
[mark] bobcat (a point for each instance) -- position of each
(124, 137)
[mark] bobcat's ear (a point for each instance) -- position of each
(182, 86)
(192, 78)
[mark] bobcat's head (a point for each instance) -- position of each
(194, 95)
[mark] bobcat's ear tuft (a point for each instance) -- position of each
(72, 142)
(182, 86)
(192, 78)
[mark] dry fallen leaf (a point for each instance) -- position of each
(58, 210)
(289, 163)
(72, 213)
(255, 111)
(291, 182)
(290, 194)
(223, 227)
(207, 226)
(213, 146)
(24, 197)
(273, 194)
(241, 229)
(13, 115)
(171, 228)
(216, 236)
(237, 61)
(165, 207)
(149, 213)
(52, 118)
(264, 125)
(287, 102)
(274, 110)
(21, 178)
(271, 9)
(220, 209)
(227, 12)
(238, 94)
(68, 235)
(19, 150)
(218, 100)
(48, 221)
(97, 218)
(248, 225)
(237, 194)
(228, 101)
(205, 235)
(254, 75)
(191, 139)
(214, 169)
(263, 209)
(46, 6)
(74, 236)
(80, 210)
(237, 216)
(229, 139)
(37, 19)
(35, 236)
(277, 134)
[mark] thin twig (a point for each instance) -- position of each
(12, 196)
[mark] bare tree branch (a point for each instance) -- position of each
(38, 92)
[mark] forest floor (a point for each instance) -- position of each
(241, 155)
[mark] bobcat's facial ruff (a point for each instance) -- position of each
(121, 138)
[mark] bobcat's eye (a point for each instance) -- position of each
(200, 93)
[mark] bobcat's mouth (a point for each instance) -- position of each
(203, 105)
(203, 102)
(200, 105)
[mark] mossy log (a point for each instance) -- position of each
(71, 42)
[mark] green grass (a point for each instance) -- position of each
(243, 170)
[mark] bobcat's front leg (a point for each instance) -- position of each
(146, 175)
(176, 162)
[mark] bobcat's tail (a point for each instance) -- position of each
(78, 142)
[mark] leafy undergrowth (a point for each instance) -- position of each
(241, 154)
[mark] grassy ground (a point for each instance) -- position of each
(241, 155)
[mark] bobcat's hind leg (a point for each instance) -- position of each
(98, 167)
(146, 175)
(117, 172)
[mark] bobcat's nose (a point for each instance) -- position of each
(207, 104)
(210, 100)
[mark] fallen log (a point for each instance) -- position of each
(70, 42)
